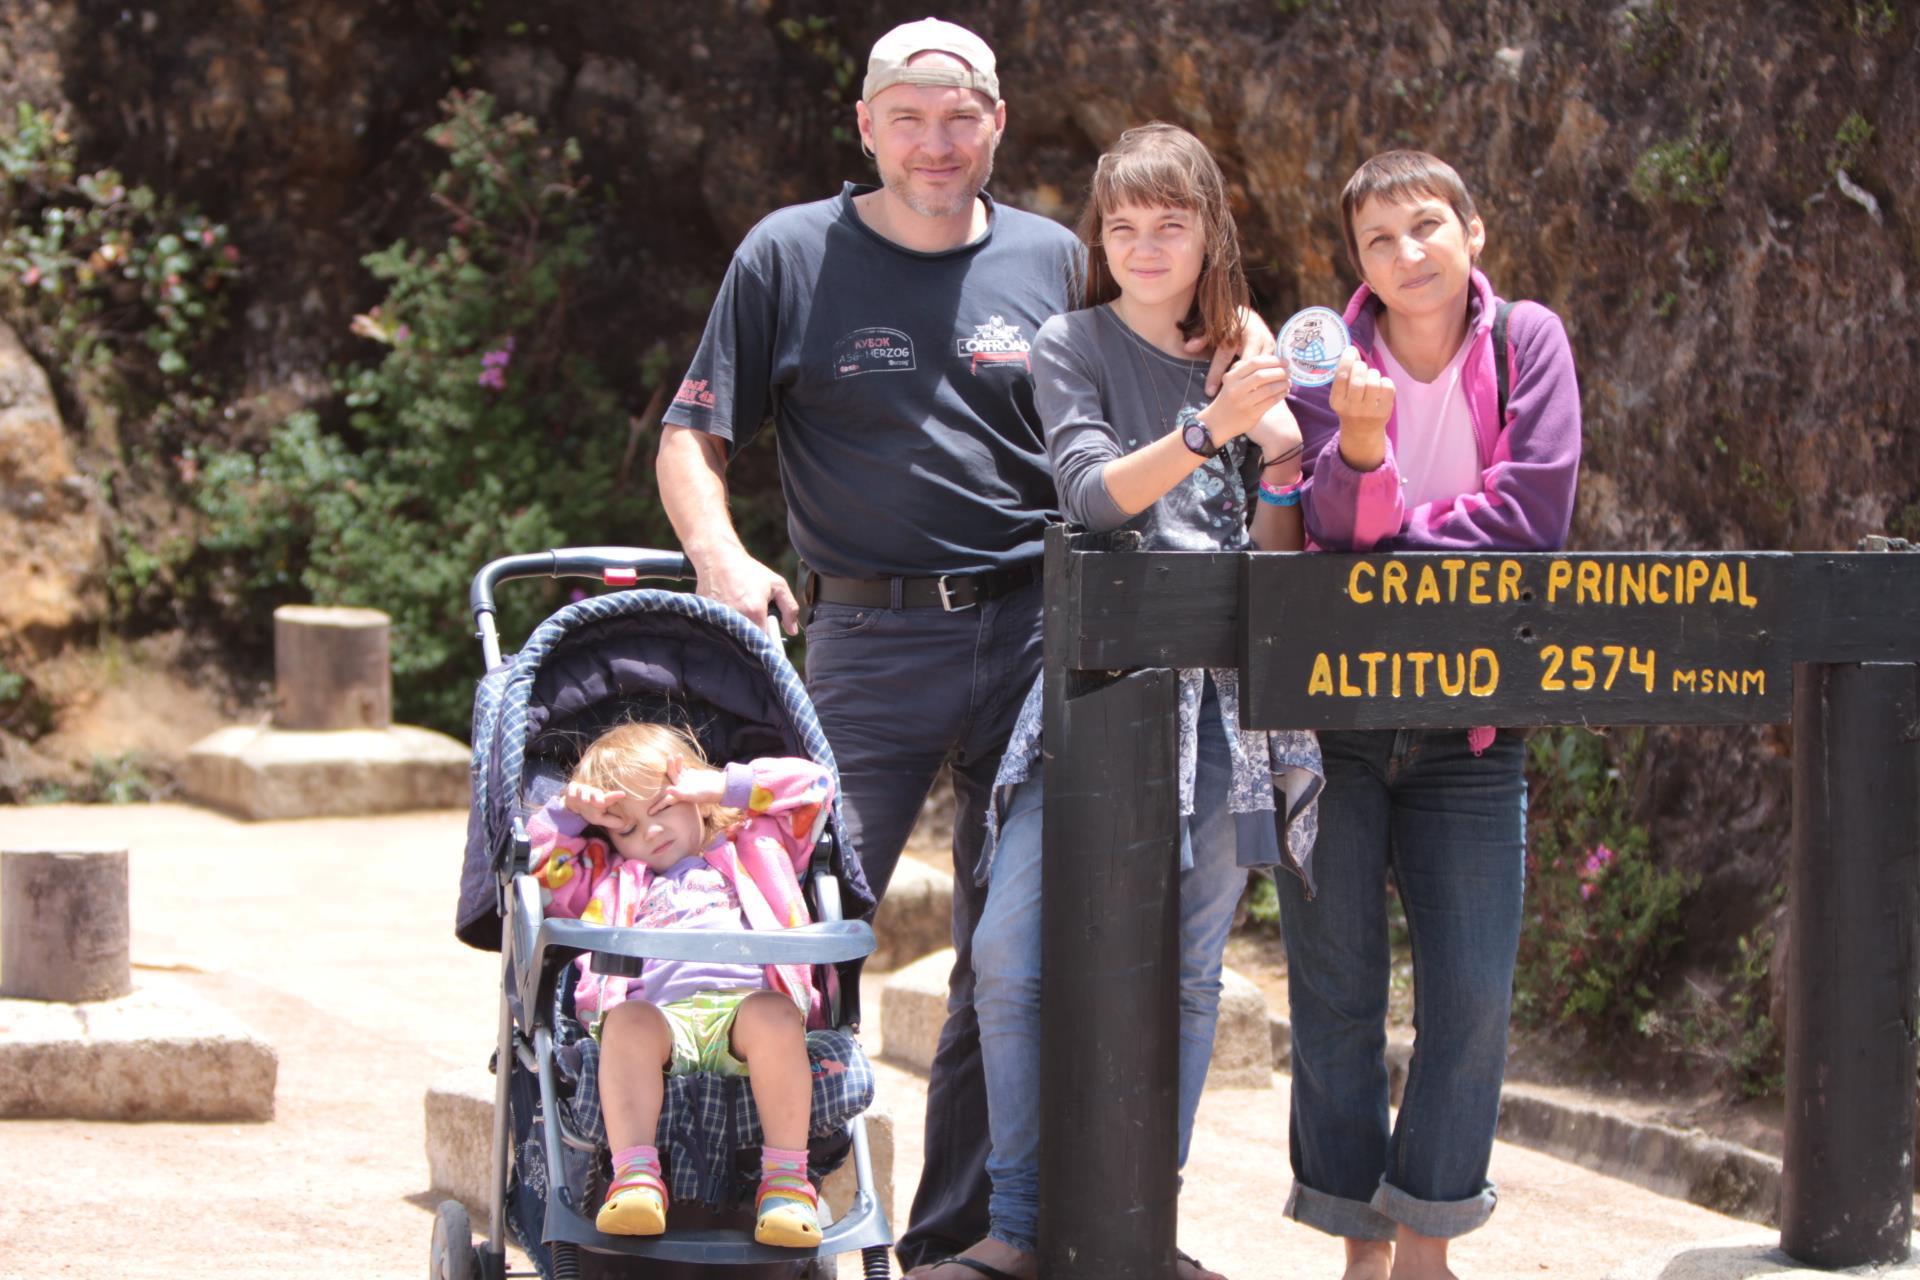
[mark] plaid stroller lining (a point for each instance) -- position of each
(705, 1116)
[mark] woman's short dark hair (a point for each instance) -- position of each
(1400, 177)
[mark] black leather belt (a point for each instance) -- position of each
(949, 591)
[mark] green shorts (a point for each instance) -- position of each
(702, 1026)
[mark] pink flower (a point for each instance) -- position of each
(31, 277)
(1586, 891)
(207, 237)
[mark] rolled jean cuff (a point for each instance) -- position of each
(1337, 1215)
(1029, 1247)
(1441, 1219)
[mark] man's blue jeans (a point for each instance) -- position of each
(899, 692)
(1006, 963)
(1451, 828)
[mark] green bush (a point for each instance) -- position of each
(109, 281)
(1732, 1031)
(1690, 170)
(1602, 917)
(483, 428)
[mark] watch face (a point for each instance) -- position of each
(1196, 438)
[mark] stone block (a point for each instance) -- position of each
(159, 1053)
(1399, 1055)
(1242, 1045)
(65, 925)
(913, 1008)
(460, 1138)
(915, 918)
(1749, 1254)
(460, 1146)
(259, 772)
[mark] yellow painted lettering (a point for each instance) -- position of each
(1633, 583)
(1455, 687)
(1746, 600)
(1396, 675)
(1636, 667)
(1477, 582)
(1697, 574)
(1428, 592)
(1321, 681)
(1393, 583)
(1559, 578)
(1419, 661)
(1347, 688)
(1656, 592)
(1722, 592)
(1373, 661)
(1753, 682)
(1588, 591)
(1683, 680)
(1453, 568)
(1580, 660)
(1486, 673)
(1550, 678)
(1509, 580)
(1355, 592)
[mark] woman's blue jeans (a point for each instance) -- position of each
(1006, 965)
(1451, 828)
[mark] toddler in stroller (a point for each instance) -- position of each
(691, 848)
(663, 658)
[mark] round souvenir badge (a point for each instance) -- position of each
(1311, 343)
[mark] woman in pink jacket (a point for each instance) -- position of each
(1451, 423)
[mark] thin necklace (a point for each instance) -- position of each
(1163, 421)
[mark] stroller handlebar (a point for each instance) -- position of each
(616, 566)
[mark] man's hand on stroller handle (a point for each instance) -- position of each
(743, 584)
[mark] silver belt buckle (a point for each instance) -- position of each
(946, 599)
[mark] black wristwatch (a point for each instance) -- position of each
(1193, 432)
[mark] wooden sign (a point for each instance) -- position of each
(1433, 640)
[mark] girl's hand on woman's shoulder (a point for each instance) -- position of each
(1251, 387)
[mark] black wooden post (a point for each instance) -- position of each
(1847, 1192)
(1110, 961)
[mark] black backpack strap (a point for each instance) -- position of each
(1503, 376)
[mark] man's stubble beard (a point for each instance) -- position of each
(899, 187)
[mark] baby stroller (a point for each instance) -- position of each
(660, 656)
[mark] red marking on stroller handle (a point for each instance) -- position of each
(619, 577)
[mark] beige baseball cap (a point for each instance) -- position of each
(887, 64)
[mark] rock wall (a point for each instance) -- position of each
(1719, 199)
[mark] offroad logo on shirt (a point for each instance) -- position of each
(994, 343)
(872, 350)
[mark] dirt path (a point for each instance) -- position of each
(332, 939)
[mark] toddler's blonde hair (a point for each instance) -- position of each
(633, 758)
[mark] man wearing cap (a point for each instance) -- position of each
(886, 330)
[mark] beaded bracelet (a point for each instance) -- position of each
(1280, 496)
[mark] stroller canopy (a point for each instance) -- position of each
(663, 656)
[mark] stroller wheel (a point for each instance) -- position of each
(453, 1257)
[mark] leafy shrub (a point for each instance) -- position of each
(1733, 1032)
(483, 427)
(1602, 917)
(109, 281)
(1689, 170)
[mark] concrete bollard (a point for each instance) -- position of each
(64, 925)
(332, 668)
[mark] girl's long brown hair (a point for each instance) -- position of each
(1163, 166)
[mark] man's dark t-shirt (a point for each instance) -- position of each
(900, 382)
